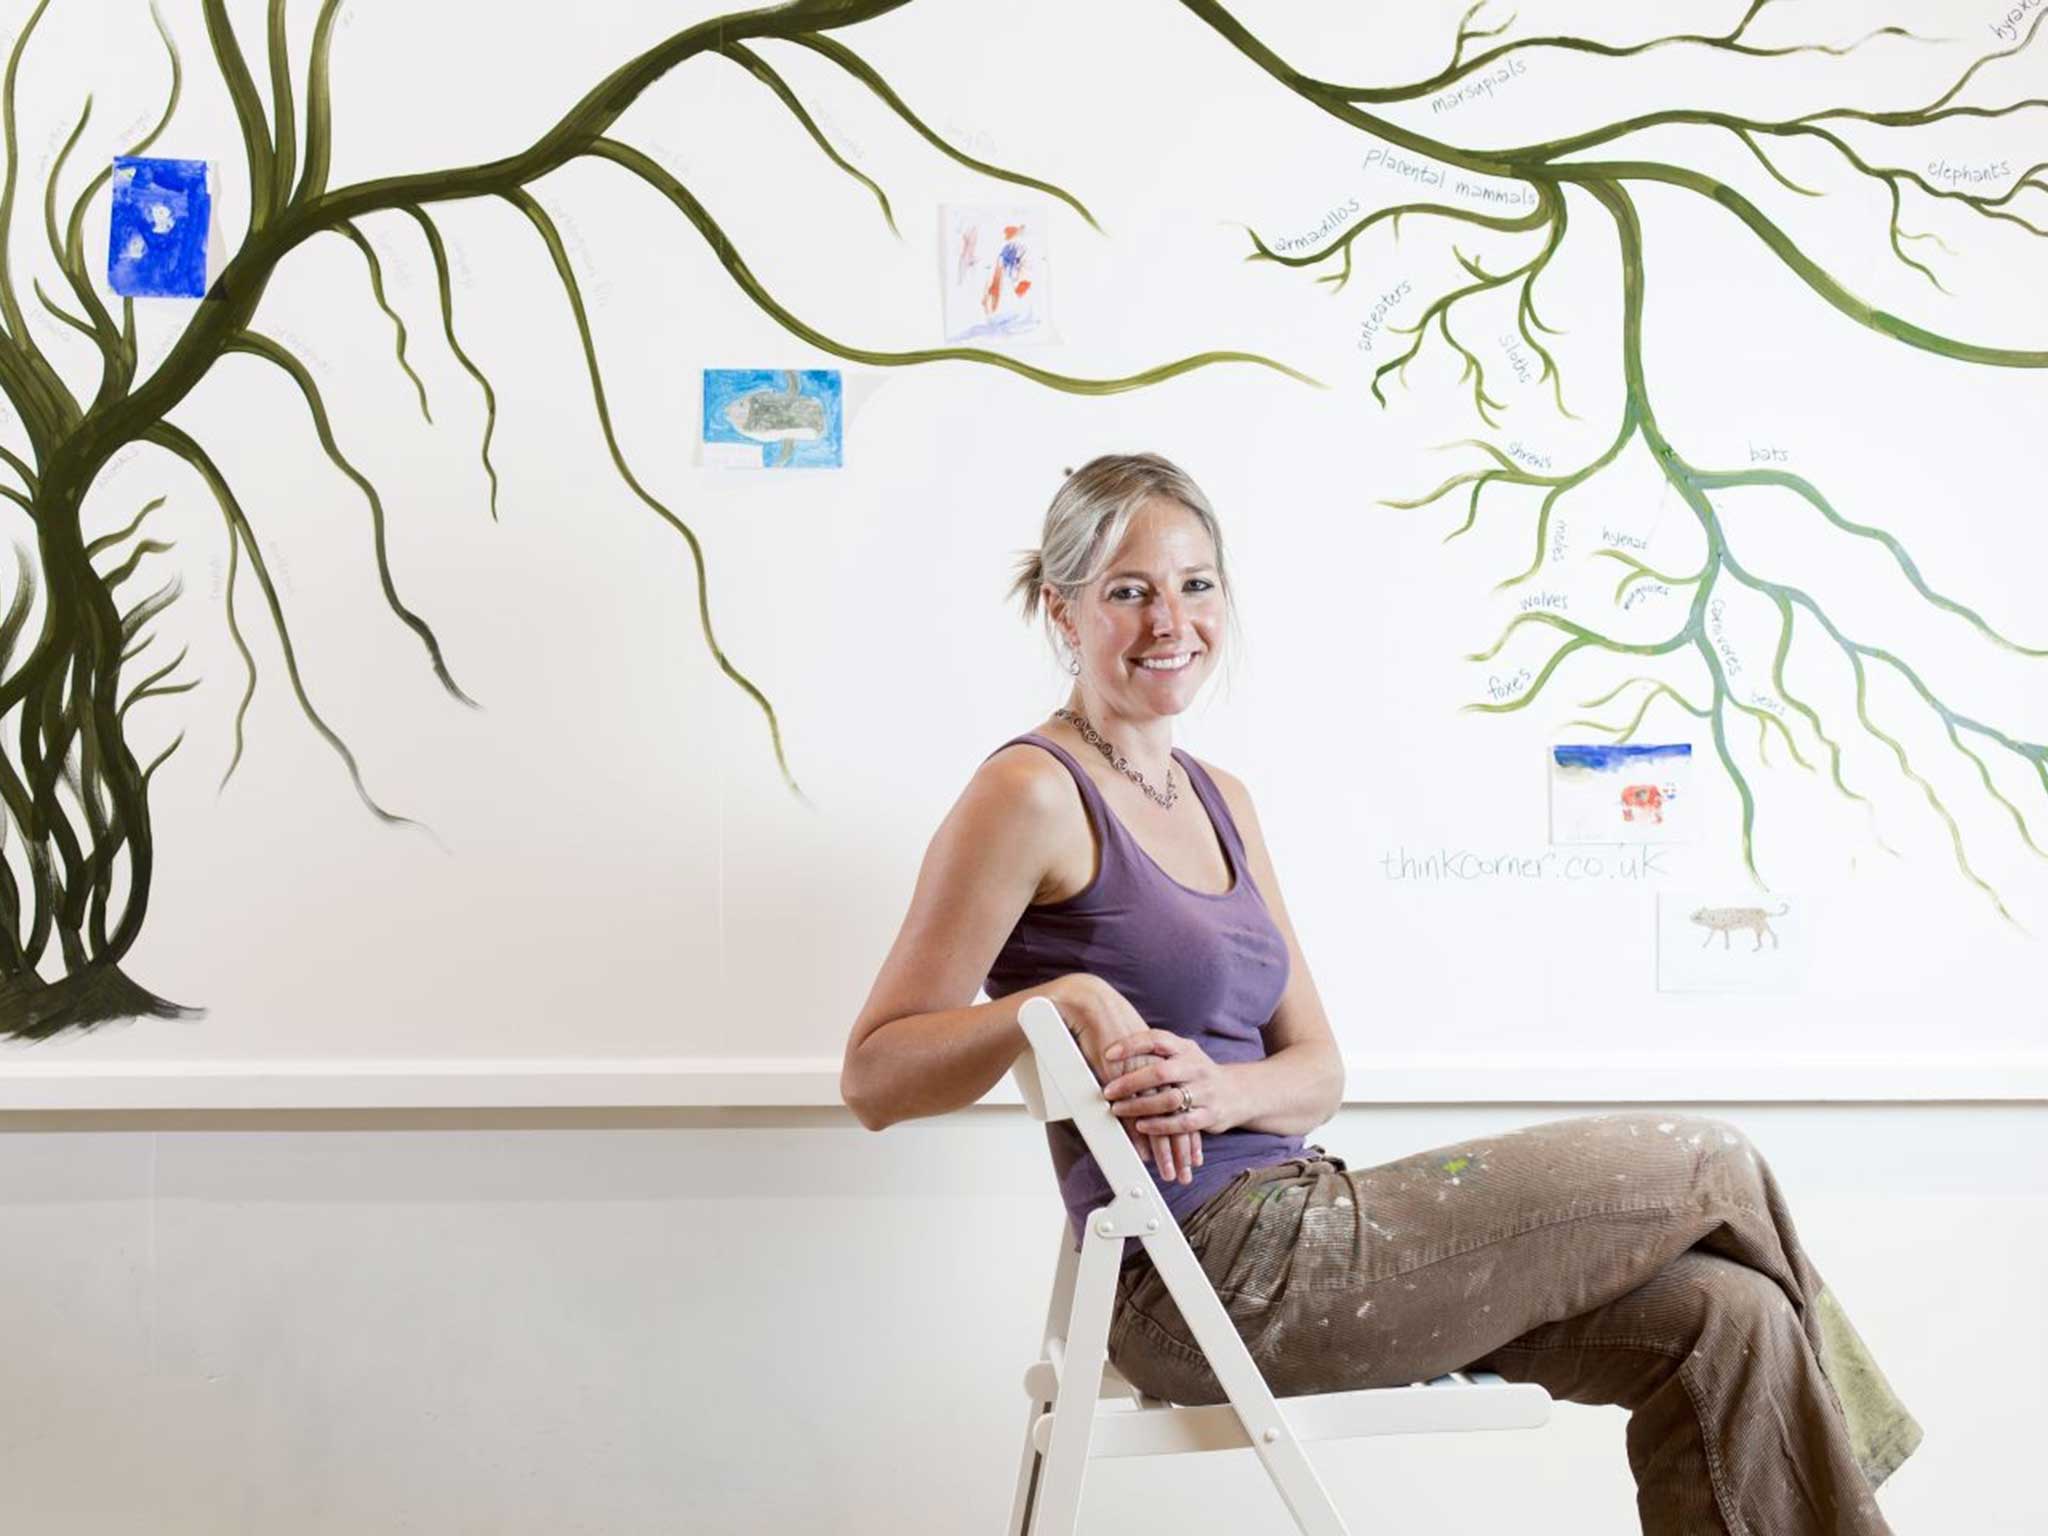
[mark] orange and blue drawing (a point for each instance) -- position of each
(993, 273)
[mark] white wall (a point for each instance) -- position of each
(772, 1321)
(620, 863)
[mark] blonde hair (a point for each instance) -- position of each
(1089, 515)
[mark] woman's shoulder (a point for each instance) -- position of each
(1228, 785)
(1022, 797)
(1025, 770)
(1223, 778)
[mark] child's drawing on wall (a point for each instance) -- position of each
(993, 272)
(1621, 793)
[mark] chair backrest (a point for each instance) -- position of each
(1058, 1084)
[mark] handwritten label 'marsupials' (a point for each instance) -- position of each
(1480, 86)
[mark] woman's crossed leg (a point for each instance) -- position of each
(1643, 1260)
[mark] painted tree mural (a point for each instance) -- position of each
(75, 636)
(75, 797)
(1556, 170)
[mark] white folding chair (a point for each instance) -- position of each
(1069, 1424)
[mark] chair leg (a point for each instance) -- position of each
(1273, 1439)
(1057, 1510)
(1057, 1309)
(1021, 1506)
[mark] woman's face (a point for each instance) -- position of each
(1160, 596)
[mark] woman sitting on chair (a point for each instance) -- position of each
(1638, 1259)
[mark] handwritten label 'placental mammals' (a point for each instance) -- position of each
(1392, 163)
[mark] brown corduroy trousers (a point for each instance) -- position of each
(1644, 1260)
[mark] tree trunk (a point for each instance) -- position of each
(73, 795)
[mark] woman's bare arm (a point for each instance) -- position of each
(920, 1047)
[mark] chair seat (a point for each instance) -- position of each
(1459, 1400)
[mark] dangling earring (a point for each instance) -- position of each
(1073, 659)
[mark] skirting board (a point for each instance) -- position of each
(738, 1082)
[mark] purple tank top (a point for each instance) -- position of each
(1208, 967)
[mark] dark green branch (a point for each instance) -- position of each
(147, 689)
(152, 605)
(1728, 42)
(440, 255)
(74, 255)
(525, 203)
(234, 73)
(102, 329)
(1801, 265)
(319, 106)
(127, 568)
(758, 67)
(721, 247)
(30, 382)
(239, 532)
(377, 289)
(10, 307)
(282, 108)
(20, 466)
(862, 71)
(264, 347)
(108, 541)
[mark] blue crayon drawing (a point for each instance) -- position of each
(792, 416)
(1621, 794)
(156, 234)
(1612, 759)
